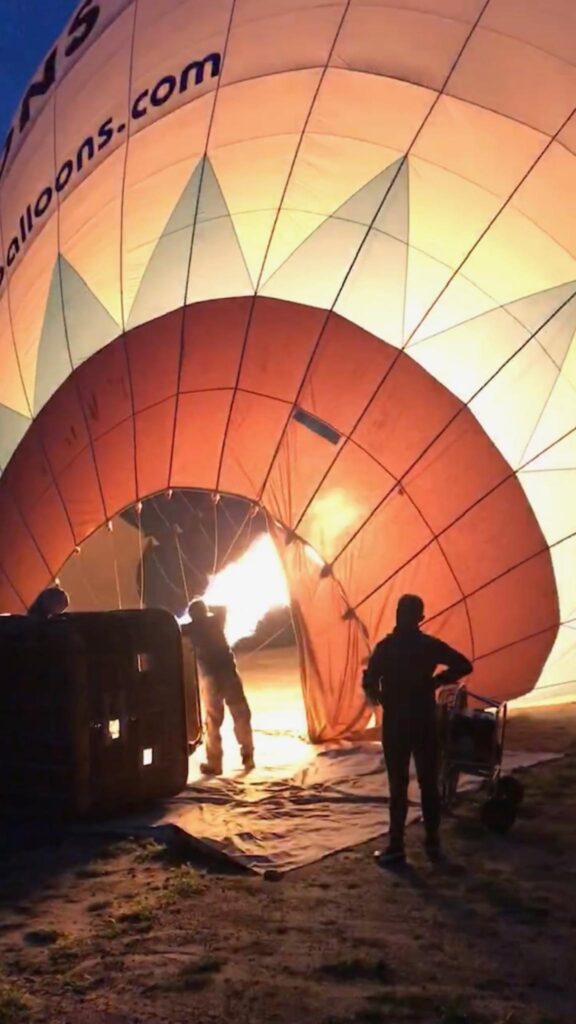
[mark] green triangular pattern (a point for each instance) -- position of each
(382, 202)
(375, 292)
(216, 266)
(13, 426)
(492, 338)
(355, 266)
(89, 324)
(76, 325)
(53, 364)
(535, 310)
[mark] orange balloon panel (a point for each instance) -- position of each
(385, 520)
(275, 249)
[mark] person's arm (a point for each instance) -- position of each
(371, 676)
(457, 665)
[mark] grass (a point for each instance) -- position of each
(86, 981)
(15, 1004)
(150, 852)
(407, 1003)
(403, 1001)
(143, 851)
(138, 917)
(122, 848)
(508, 893)
(181, 884)
(110, 928)
(91, 872)
(139, 913)
(483, 914)
(356, 969)
(190, 977)
(66, 953)
(42, 937)
(469, 828)
(98, 906)
(456, 1011)
(543, 837)
(50, 966)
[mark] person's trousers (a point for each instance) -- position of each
(401, 741)
(219, 693)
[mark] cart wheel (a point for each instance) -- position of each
(509, 788)
(498, 814)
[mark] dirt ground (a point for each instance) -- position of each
(125, 933)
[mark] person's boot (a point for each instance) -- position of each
(206, 768)
(393, 856)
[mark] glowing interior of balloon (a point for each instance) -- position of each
(270, 248)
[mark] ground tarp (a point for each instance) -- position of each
(289, 815)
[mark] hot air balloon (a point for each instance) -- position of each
(320, 256)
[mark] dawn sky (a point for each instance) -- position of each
(27, 30)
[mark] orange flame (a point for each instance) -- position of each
(249, 588)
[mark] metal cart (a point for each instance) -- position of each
(472, 733)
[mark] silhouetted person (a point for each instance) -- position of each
(401, 676)
(221, 686)
(50, 602)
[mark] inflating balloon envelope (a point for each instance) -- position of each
(321, 256)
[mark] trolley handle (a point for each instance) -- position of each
(462, 690)
(486, 700)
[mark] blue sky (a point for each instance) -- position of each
(27, 30)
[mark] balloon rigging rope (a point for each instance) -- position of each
(436, 537)
(280, 206)
(357, 256)
(116, 573)
(86, 579)
(173, 586)
(201, 527)
(195, 222)
(360, 248)
(122, 266)
(215, 564)
(350, 540)
(547, 686)
(238, 535)
(182, 569)
(181, 557)
(257, 650)
(193, 568)
(141, 545)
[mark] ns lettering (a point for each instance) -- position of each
(79, 30)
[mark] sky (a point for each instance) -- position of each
(27, 30)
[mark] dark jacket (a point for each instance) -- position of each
(401, 673)
(213, 652)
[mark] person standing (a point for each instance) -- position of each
(221, 686)
(401, 676)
